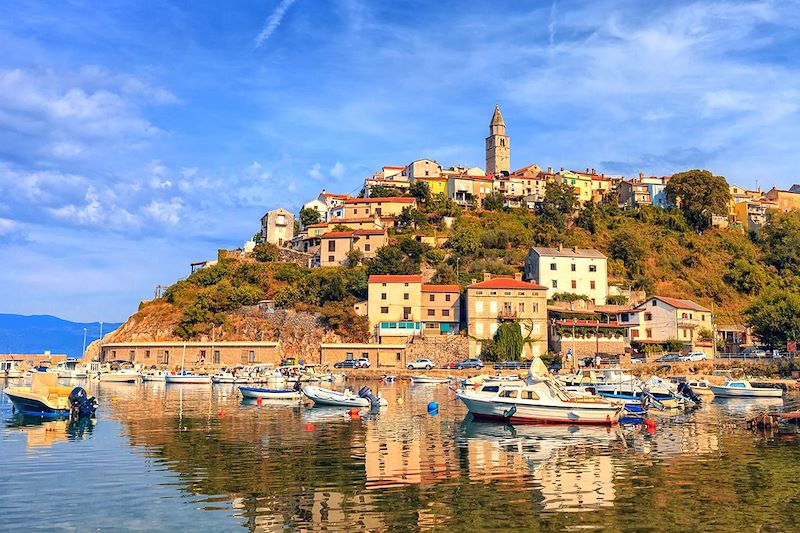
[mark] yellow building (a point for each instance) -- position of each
(441, 309)
(752, 214)
(387, 207)
(786, 200)
(335, 245)
(437, 185)
(581, 182)
(494, 301)
(394, 306)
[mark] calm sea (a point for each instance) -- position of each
(193, 458)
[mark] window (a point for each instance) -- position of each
(166, 357)
(492, 293)
(479, 307)
(529, 395)
(648, 333)
(572, 267)
(383, 284)
(406, 313)
(574, 284)
(383, 296)
(445, 312)
(331, 246)
(216, 357)
(506, 307)
(654, 303)
(703, 318)
(521, 307)
(147, 354)
(133, 355)
(406, 296)
(405, 284)
(397, 355)
(446, 297)
(367, 248)
(648, 316)
(552, 266)
(432, 298)
(592, 268)
(555, 284)
(384, 310)
(252, 356)
(331, 259)
(508, 393)
(364, 355)
(431, 312)
(591, 284)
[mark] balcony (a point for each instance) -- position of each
(507, 315)
(687, 323)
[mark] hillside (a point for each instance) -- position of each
(38, 333)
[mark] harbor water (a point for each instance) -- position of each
(197, 458)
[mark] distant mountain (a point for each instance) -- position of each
(38, 333)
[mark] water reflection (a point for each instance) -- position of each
(42, 432)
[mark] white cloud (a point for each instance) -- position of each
(273, 21)
(337, 171)
(88, 214)
(316, 171)
(169, 212)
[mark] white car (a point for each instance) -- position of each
(694, 356)
(421, 364)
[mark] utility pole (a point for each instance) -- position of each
(713, 332)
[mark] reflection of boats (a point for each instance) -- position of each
(69, 369)
(185, 377)
(428, 379)
(9, 369)
(541, 399)
(270, 394)
(42, 432)
(364, 398)
(45, 398)
(324, 414)
(743, 389)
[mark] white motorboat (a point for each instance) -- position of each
(9, 369)
(700, 387)
(347, 398)
(69, 369)
(428, 379)
(743, 389)
(119, 372)
(225, 375)
(270, 394)
(155, 375)
(541, 399)
(187, 378)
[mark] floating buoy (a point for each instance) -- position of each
(650, 424)
(433, 408)
(221, 414)
(258, 400)
(308, 427)
(354, 413)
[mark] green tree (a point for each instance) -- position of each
(392, 260)
(385, 191)
(465, 238)
(421, 191)
(775, 317)
(266, 252)
(354, 257)
(411, 217)
(508, 341)
(433, 256)
(494, 201)
(780, 240)
(309, 215)
(627, 246)
(440, 205)
(413, 248)
(699, 194)
(746, 276)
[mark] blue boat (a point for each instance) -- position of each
(270, 394)
(45, 398)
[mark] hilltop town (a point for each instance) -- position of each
(429, 261)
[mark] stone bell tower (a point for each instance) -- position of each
(497, 148)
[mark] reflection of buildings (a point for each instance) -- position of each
(574, 480)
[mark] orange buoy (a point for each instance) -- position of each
(309, 427)
(221, 414)
(354, 413)
(258, 400)
(650, 424)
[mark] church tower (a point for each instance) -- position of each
(497, 149)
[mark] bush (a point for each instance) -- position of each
(266, 253)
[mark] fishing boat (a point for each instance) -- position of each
(225, 375)
(744, 389)
(119, 372)
(69, 369)
(540, 400)
(9, 369)
(155, 375)
(44, 398)
(184, 377)
(428, 379)
(270, 394)
(348, 398)
(701, 387)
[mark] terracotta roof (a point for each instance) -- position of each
(335, 221)
(677, 303)
(393, 168)
(505, 283)
(441, 288)
(340, 196)
(396, 199)
(337, 234)
(388, 278)
(317, 225)
(369, 232)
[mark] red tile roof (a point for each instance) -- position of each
(396, 199)
(505, 283)
(337, 234)
(354, 220)
(369, 232)
(340, 196)
(441, 288)
(317, 225)
(394, 279)
(394, 168)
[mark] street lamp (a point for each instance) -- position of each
(84, 343)
(457, 261)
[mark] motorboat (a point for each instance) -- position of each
(541, 399)
(347, 398)
(270, 394)
(119, 372)
(701, 387)
(69, 369)
(155, 375)
(9, 369)
(485, 379)
(45, 398)
(184, 377)
(744, 389)
(225, 375)
(428, 379)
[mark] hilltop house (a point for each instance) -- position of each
(574, 270)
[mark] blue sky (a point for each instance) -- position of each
(136, 137)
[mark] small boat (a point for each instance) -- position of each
(119, 372)
(743, 389)
(9, 369)
(69, 369)
(701, 387)
(225, 375)
(185, 377)
(428, 379)
(389, 379)
(270, 394)
(364, 398)
(541, 399)
(155, 375)
(44, 398)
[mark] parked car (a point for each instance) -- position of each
(511, 365)
(694, 356)
(669, 358)
(469, 363)
(353, 363)
(753, 351)
(420, 364)
(449, 365)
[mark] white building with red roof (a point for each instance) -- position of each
(660, 319)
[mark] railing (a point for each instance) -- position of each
(507, 315)
(687, 323)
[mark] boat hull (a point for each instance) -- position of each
(333, 398)
(187, 380)
(33, 406)
(270, 394)
(491, 409)
(112, 377)
(734, 392)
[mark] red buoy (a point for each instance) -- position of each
(649, 423)
(353, 413)
(309, 426)
(258, 400)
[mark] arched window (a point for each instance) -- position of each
(502, 142)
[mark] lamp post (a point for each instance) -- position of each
(458, 259)
(84, 343)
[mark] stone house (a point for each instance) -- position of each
(169, 354)
(441, 309)
(573, 270)
(389, 207)
(277, 227)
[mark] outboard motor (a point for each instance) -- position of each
(366, 392)
(80, 404)
(685, 390)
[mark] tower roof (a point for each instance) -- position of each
(497, 117)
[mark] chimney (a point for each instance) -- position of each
(562, 169)
(518, 276)
(587, 170)
(549, 170)
(594, 172)
(641, 175)
(560, 247)
(487, 276)
(575, 249)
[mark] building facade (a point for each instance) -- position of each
(388, 207)
(335, 245)
(173, 354)
(660, 319)
(277, 227)
(441, 309)
(394, 307)
(573, 270)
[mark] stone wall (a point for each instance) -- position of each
(441, 350)
(586, 346)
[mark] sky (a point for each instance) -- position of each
(138, 137)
